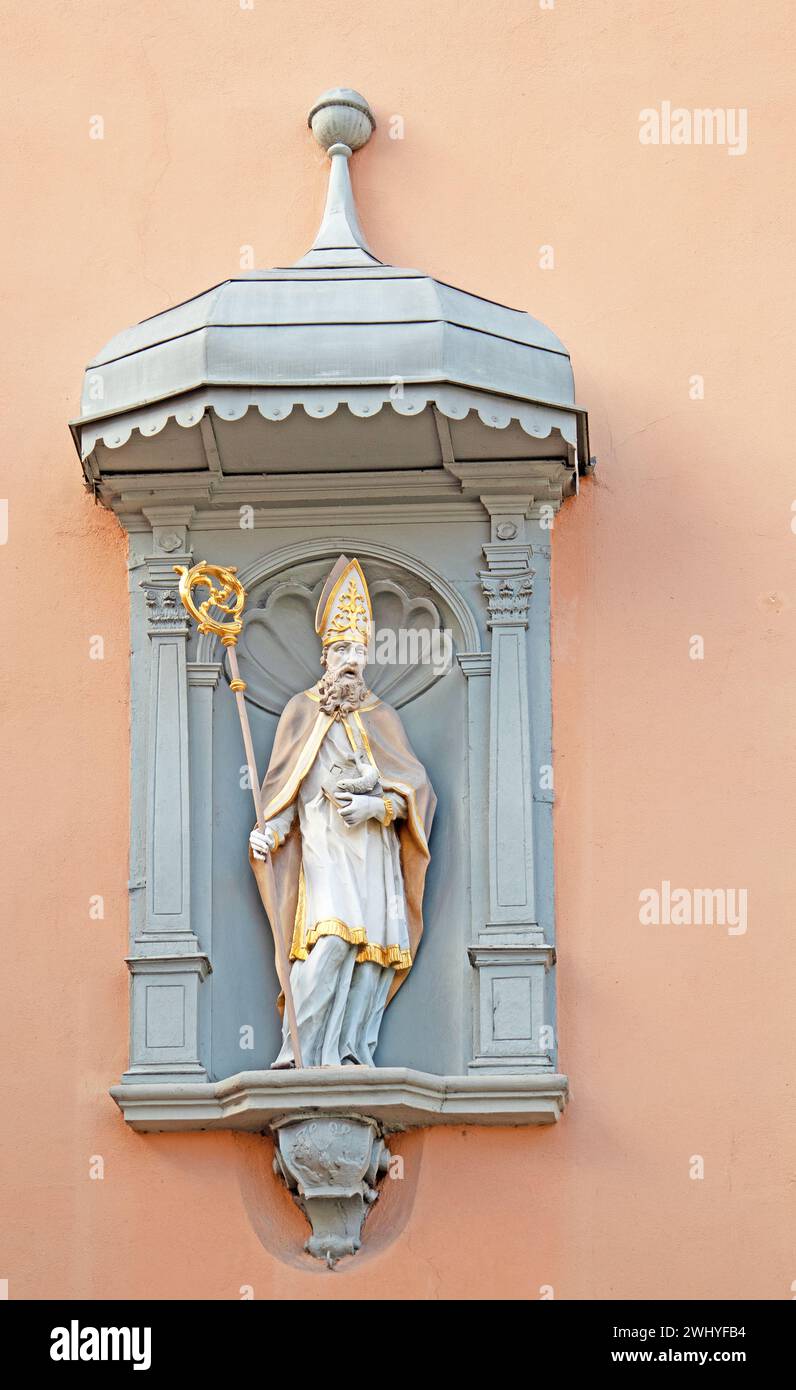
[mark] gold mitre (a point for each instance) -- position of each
(344, 613)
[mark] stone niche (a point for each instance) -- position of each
(445, 488)
(480, 999)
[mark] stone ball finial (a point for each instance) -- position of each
(341, 116)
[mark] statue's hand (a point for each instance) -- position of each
(261, 842)
(356, 809)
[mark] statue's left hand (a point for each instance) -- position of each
(356, 809)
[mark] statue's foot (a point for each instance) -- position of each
(283, 1066)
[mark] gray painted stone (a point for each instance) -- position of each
(426, 365)
(433, 1024)
(167, 963)
(165, 1018)
(510, 1024)
(398, 1098)
(330, 1164)
(275, 461)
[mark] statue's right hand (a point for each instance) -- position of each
(261, 842)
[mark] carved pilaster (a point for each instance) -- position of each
(167, 964)
(477, 666)
(508, 585)
(168, 892)
(508, 955)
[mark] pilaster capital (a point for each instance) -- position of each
(165, 612)
(475, 663)
(508, 597)
(204, 673)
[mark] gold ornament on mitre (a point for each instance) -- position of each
(344, 612)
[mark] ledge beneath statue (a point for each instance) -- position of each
(397, 1097)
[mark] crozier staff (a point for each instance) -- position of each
(227, 595)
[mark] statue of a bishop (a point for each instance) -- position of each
(348, 809)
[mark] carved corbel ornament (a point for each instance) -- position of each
(169, 527)
(331, 1164)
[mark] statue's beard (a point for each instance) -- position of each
(341, 691)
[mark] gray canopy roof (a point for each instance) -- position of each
(339, 333)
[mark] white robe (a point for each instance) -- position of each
(351, 927)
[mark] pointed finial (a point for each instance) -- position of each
(341, 121)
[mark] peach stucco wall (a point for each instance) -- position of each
(521, 130)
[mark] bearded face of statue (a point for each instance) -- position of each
(342, 687)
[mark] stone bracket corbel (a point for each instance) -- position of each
(543, 483)
(331, 1164)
